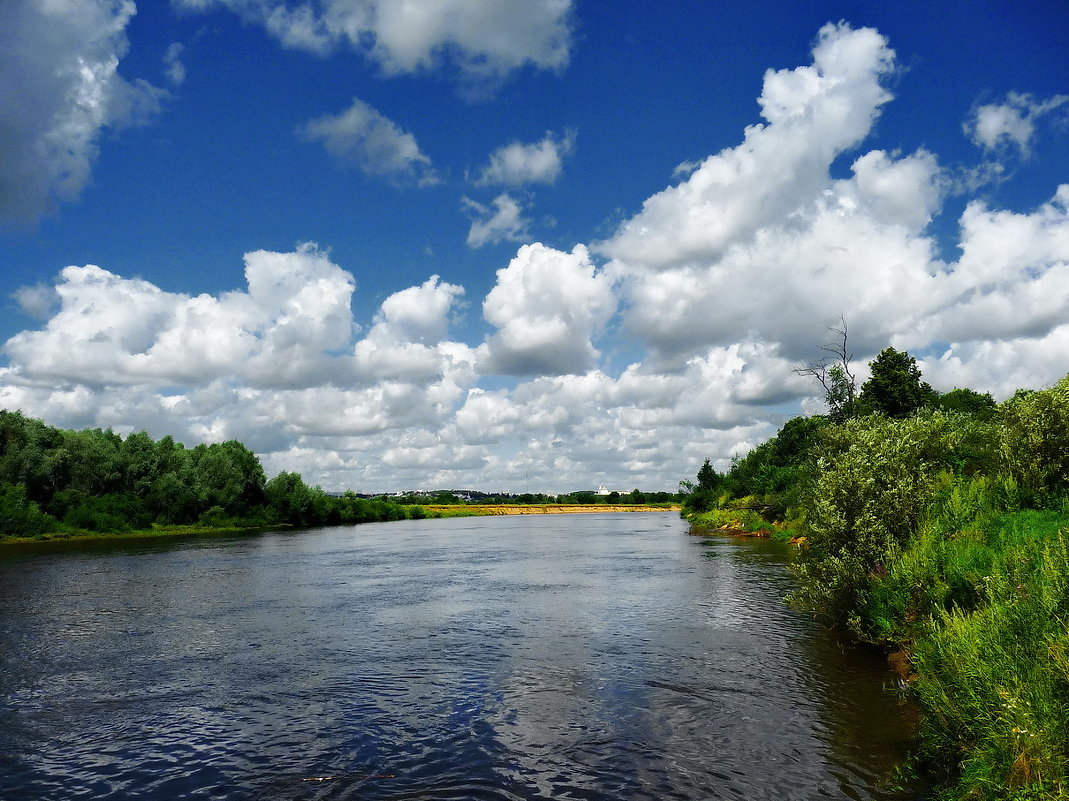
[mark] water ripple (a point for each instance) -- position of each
(612, 657)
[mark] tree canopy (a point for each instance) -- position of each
(894, 387)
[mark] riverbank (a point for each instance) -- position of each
(134, 535)
(541, 509)
(942, 538)
(160, 532)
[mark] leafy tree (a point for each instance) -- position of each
(876, 483)
(19, 516)
(229, 476)
(1035, 442)
(968, 401)
(140, 460)
(289, 500)
(894, 387)
(708, 478)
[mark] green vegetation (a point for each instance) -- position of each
(59, 482)
(936, 527)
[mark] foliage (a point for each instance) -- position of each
(994, 678)
(876, 480)
(19, 516)
(967, 401)
(1035, 442)
(95, 480)
(937, 526)
(894, 387)
(772, 471)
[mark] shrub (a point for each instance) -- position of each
(19, 516)
(1035, 443)
(215, 517)
(875, 482)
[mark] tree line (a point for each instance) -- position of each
(55, 480)
(935, 526)
(579, 498)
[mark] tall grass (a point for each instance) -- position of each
(947, 537)
(994, 679)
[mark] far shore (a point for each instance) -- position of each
(543, 509)
(62, 538)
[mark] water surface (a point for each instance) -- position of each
(557, 656)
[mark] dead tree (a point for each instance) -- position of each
(834, 375)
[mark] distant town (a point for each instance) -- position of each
(581, 497)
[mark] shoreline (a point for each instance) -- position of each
(482, 510)
(60, 539)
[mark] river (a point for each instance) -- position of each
(606, 656)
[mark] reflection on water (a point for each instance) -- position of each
(564, 656)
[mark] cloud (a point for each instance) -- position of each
(173, 66)
(37, 301)
(813, 114)
(362, 137)
(114, 330)
(516, 164)
(407, 340)
(483, 40)
(996, 125)
(504, 222)
(59, 78)
(721, 282)
(760, 244)
(546, 306)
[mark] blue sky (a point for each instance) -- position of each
(548, 244)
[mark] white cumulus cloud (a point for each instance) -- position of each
(60, 88)
(362, 137)
(546, 307)
(724, 281)
(1013, 121)
(516, 163)
(502, 221)
(483, 39)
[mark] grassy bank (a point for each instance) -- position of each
(131, 535)
(941, 536)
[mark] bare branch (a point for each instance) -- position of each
(833, 373)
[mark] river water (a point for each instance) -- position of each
(549, 656)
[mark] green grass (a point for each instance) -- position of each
(156, 532)
(980, 600)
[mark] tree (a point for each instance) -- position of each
(895, 388)
(229, 476)
(968, 401)
(834, 375)
(708, 478)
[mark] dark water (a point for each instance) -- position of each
(558, 656)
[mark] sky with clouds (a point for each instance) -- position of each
(538, 246)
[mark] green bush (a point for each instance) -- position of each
(19, 516)
(215, 517)
(875, 482)
(110, 512)
(1035, 443)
